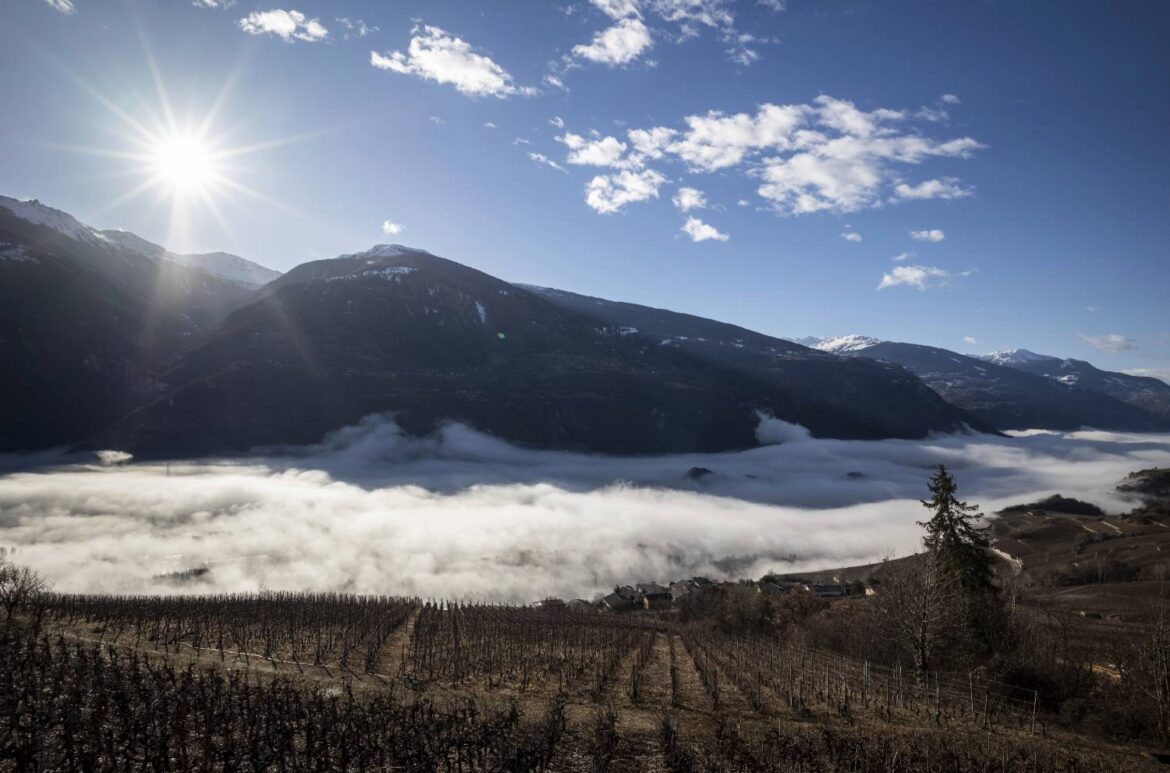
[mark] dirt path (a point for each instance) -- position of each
(392, 657)
(690, 693)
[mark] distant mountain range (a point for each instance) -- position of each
(108, 339)
(1018, 389)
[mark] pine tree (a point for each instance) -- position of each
(953, 536)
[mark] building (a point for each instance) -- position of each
(623, 599)
(654, 596)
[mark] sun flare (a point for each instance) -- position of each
(184, 163)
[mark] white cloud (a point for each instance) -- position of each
(541, 158)
(944, 188)
(557, 121)
(629, 36)
(970, 340)
(464, 515)
(949, 99)
(610, 193)
(851, 236)
(390, 228)
(651, 143)
(436, 120)
(902, 257)
(289, 26)
(775, 6)
(555, 82)
(743, 203)
(918, 277)
(436, 56)
(205, 3)
(689, 198)
(825, 156)
(701, 232)
(618, 9)
(489, 125)
(606, 151)
(355, 28)
(687, 13)
(1111, 343)
(929, 235)
(1158, 373)
(718, 141)
(619, 44)
(64, 6)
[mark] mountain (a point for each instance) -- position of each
(1147, 393)
(850, 398)
(399, 330)
(224, 265)
(86, 324)
(1005, 396)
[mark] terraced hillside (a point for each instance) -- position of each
(293, 682)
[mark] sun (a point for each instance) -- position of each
(184, 163)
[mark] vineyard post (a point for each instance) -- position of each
(1035, 705)
(937, 700)
(971, 690)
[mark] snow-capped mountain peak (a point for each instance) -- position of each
(386, 251)
(845, 344)
(33, 211)
(1015, 357)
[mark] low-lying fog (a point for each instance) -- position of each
(464, 515)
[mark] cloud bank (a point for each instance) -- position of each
(464, 515)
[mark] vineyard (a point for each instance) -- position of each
(334, 682)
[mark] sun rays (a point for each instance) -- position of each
(184, 163)
(168, 152)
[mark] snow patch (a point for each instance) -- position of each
(1015, 357)
(845, 344)
(14, 253)
(35, 212)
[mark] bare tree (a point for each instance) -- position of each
(19, 586)
(1151, 669)
(920, 607)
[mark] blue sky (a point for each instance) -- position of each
(710, 155)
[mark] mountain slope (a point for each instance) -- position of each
(403, 331)
(85, 324)
(1147, 393)
(1009, 398)
(850, 398)
(224, 265)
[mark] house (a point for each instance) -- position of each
(654, 596)
(828, 591)
(622, 599)
(550, 603)
(683, 588)
(775, 586)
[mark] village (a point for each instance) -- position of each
(654, 597)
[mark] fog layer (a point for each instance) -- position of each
(463, 515)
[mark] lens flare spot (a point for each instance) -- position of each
(183, 162)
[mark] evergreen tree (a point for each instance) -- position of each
(953, 536)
